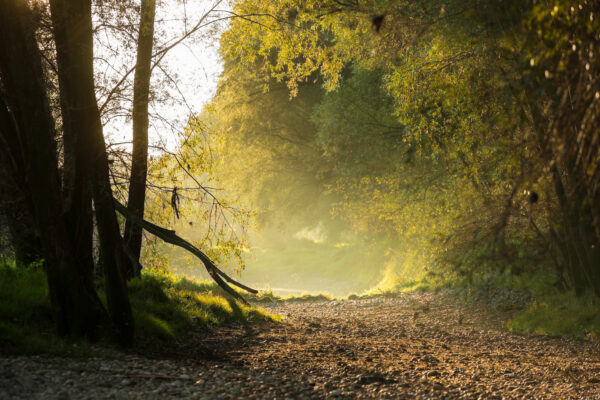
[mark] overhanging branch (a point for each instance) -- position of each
(171, 237)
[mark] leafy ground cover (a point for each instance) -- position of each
(164, 309)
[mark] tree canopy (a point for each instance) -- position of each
(444, 129)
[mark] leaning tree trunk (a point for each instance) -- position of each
(139, 163)
(72, 23)
(27, 133)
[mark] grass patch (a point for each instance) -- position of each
(392, 288)
(560, 314)
(537, 303)
(540, 304)
(265, 297)
(163, 309)
(25, 313)
(26, 325)
(309, 298)
(262, 297)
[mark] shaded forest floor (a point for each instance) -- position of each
(414, 346)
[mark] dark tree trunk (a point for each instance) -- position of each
(77, 183)
(28, 140)
(16, 210)
(581, 257)
(72, 23)
(15, 202)
(139, 164)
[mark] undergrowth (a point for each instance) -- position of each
(393, 287)
(25, 312)
(539, 304)
(163, 307)
(262, 297)
(542, 305)
(560, 314)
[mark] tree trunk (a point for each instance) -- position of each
(139, 163)
(72, 23)
(28, 140)
(16, 210)
(77, 186)
(15, 202)
(581, 257)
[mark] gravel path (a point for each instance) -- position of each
(420, 346)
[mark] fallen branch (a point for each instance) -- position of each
(171, 237)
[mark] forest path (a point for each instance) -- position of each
(416, 346)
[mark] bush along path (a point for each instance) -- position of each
(414, 346)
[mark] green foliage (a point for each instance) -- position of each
(23, 292)
(265, 142)
(25, 312)
(395, 287)
(309, 298)
(428, 139)
(412, 134)
(264, 296)
(26, 320)
(560, 314)
(164, 309)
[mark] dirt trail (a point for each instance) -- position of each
(420, 346)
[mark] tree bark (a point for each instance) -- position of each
(581, 257)
(139, 163)
(72, 24)
(15, 202)
(16, 210)
(27, 133)
(77, 182)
